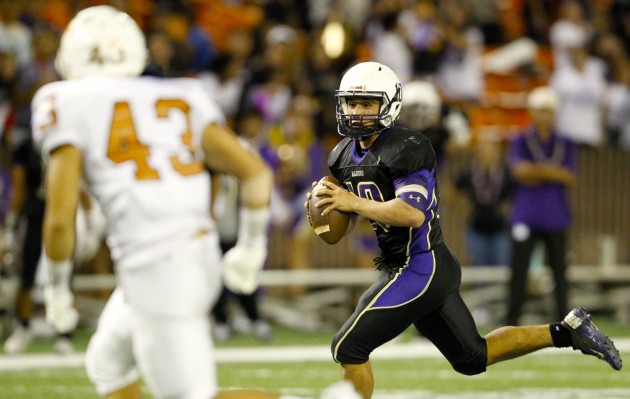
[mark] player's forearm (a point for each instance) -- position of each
(254, 215)
(256, 189)
(59, 239)
(62, 197)
(394, 212)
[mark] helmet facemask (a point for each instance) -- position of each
(368, 80)
(362, 126)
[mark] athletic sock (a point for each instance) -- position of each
(560, 335)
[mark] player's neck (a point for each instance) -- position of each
(367, 144)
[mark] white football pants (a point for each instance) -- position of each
(157, 320)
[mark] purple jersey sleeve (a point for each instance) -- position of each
(416, 189)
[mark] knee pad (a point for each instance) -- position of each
(175, 356)
(472, 362)
(109, 359)
(344, 353)
(469, 368)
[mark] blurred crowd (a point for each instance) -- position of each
(276, 63)
(273, 66)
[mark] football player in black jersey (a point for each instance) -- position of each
(389, 174)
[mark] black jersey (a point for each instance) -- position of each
(400, 164)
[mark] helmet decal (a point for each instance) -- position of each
(101, 41)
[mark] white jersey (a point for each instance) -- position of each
(142, 160)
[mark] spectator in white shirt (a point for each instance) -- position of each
(390, 47)
(571, 29)
(459, 75)
(581, 85)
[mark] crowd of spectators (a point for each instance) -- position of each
(274, 64)
(273, 67)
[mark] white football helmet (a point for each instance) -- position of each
(374, 80)
(422, 106)
(543, 97)
(101, 41)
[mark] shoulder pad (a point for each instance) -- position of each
(408, 152)
(333, 157)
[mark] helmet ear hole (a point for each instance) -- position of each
(394, 110)
(396, 107)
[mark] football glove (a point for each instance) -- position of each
(241, 265)
(60, 311)
(58, 299)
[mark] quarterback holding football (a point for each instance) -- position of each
(388, 174)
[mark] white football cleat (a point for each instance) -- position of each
(63, 346)
(340, 390)
(222, 332)
(262, 330)
(19, 339)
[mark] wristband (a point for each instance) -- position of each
(60, 272)
(252, 226)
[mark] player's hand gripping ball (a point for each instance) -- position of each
(332, 227)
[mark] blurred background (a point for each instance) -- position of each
(273, 66)
(467, 68)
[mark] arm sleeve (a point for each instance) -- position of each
(516, 151)
(416, 189)
(413, 168)
(53, 120)
(570, 159)
(205, 111)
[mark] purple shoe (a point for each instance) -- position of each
(587, 338)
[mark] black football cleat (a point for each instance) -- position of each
(588, 339)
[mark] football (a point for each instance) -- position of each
(331, 227)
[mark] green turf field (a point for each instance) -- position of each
(557, 374)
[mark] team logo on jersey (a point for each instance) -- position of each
(414, 139)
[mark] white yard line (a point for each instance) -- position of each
(261, 354)
(528, 393)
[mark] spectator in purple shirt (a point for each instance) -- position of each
(542, 164)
